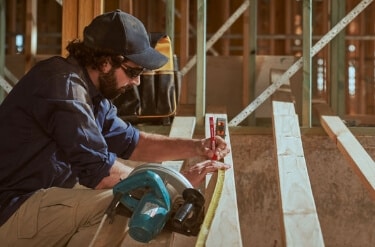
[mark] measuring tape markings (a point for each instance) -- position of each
(206, 225)
(299, 63)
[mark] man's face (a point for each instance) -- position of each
(117, 80)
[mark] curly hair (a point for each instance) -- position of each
(87, 56)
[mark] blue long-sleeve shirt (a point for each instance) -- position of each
(56, 129)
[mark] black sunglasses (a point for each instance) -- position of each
(131, 71)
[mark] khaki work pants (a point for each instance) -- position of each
(63, 217)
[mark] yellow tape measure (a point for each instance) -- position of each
(206, 225)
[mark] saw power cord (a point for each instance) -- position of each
(98, 231)
(110, 212)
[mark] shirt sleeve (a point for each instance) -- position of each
(65, 112)
(121, 137)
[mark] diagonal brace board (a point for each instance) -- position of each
(301, 225)
(217, 35)
(299, 63)
(5, 85)
(361, 162)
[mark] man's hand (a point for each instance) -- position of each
(198, 172)
(221, 148)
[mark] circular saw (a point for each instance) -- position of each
(157, 197)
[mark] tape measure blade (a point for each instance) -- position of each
(211, 210)
(209, 191)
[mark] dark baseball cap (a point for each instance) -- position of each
(125, 35)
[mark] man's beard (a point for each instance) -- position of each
(108, 85)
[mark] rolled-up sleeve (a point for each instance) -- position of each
(121, 137)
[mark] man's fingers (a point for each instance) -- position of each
(209, 166)
(197, 173)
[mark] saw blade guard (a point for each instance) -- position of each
(173, 180)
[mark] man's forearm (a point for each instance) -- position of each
(118, 172)
(158, 148)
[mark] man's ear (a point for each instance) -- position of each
(106, 67)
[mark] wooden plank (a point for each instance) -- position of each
(69, 23)
(360, 161)
(184, 46)
(301, 225)
(126, 6)
(11, 26)
(322, 109)
(364, 120)
(31, 33)
(5, 85)
(181, 127)
(76, 16)
(284, 92)
(87, 11)
(246, 76)
(225, 229)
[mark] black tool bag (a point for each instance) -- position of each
(156, 99)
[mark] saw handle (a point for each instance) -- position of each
(150, 212)
(145, 179)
